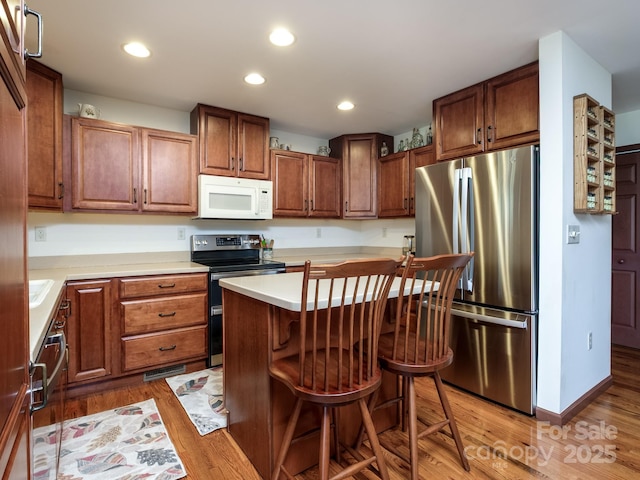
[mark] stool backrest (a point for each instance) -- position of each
(339, 328)
(423, 314)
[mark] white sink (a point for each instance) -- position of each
(38, 290)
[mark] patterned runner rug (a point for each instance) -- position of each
(200, 394)
(127, 443)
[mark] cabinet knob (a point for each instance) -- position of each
(621, 261)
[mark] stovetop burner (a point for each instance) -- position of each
(230, 252)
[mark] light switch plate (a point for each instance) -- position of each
(573, 233)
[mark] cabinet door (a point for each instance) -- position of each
(359, 176)
(88, 330)
(459, 123)
(418, 157)
(253, 147)
(393, 185)
(14, 356)
(44, 121)
(512, 106)
(104, 165)
(12, 20)
(325, 182)
(169, 172)
(216, 128)
(289, 171)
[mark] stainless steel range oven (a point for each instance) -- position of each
(227, 256)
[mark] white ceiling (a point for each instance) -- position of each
(391, 58)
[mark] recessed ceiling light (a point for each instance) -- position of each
(254, 79)
(136, 49)
(346, 105)
(282, 37)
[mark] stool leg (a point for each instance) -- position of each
(452, 422)
(286, 439)
(373, 439)
(325, 443)
(413, 427)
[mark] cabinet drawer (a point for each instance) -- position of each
(162, 285)
(164, 313)
(152, 350)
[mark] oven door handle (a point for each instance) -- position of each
(48, 382)
(244, 273)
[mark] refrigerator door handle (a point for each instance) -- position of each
(488, 319)
(455, 233)
(467, 225)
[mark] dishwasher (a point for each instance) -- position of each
(48, 384)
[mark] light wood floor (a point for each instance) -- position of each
(602, 442)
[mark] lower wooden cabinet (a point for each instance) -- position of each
(118, 327)
(162, 320)
(88, 330)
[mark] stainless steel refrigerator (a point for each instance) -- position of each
(488, 204)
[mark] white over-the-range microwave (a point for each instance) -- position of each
(234, 198)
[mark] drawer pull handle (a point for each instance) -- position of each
(168, 285)
(165, 349)
(172, 314)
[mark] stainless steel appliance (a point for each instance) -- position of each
(227, 256)
(48, 384)
(488, 204)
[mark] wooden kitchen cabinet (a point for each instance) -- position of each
(115, 167)
(232, 144)
(396, 181)
(359, 154)
(498, 113)
(44, 126)
(305, 185)
(88, 330)
(14, 316)
(162, 320)
(169, 172)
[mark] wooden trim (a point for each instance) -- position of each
(576, 407)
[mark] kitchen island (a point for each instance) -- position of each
(260, 315)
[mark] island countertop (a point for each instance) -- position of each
(284, 290)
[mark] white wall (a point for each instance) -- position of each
(575, 280)
(87, 233)
(628, 128)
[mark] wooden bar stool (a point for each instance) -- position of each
(419, 344)
(336, 360)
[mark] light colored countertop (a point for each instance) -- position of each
(90, 267)
(285, 290)
(40, 317)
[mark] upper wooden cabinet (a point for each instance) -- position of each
(118, 167)
(498, 113)
(359, 153)
(305, 185)
(44, 125)
(396, 181)
(232, 144)
(169, 172)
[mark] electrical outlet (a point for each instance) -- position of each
(589, 341)
(384, 232)
(181, 233)
(318, 233)
(41, 234)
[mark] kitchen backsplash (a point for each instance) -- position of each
(85, 233)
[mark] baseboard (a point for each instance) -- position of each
(577, 406)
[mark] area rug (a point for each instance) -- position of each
(201, 396)
(127, 443)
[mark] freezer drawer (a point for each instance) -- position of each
(494, 355)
